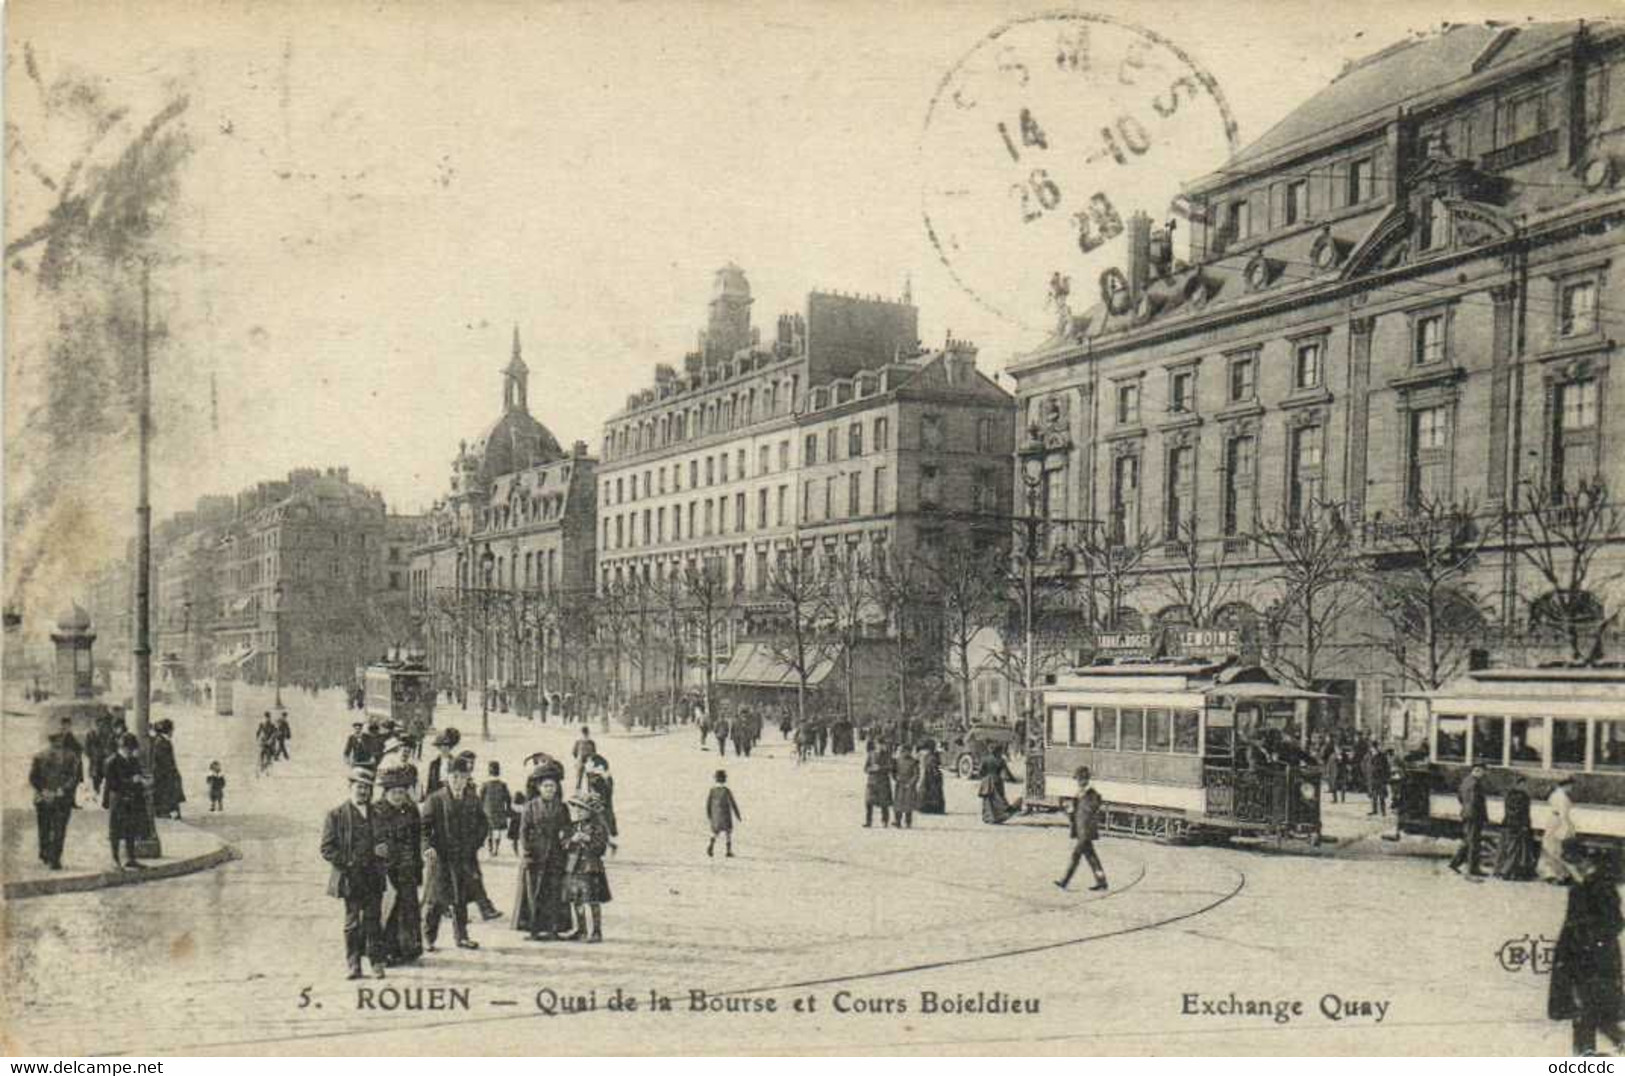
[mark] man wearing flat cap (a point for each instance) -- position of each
(454, 829)
(354, 845)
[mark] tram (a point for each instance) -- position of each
(1543, 724)
(1168, 742)
(400, 688)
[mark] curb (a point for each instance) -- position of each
(84, 883)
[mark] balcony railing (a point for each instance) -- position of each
(1521, 152)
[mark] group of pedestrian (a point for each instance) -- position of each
(901, 780)
(1518, 856)
(744, 729)
(272, 736)
(1351, 761)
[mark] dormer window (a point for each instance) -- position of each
(1362, 181)
(1240, 221)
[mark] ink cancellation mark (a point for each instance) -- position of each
(1047, 136)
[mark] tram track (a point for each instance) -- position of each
(862, 975)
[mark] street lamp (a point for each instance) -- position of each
(1032, 475)
(487, 560)
(276, 651)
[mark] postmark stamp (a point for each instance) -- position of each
(1044, 139)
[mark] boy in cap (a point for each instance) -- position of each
(586, 885)
(720, 811)
(496, 801)
(359, 856)
(217, 787)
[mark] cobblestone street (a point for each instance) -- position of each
(249, 956)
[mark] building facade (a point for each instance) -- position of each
(1402, 296)
(841, 437)
(501, 568)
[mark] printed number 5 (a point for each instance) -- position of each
(304, 997)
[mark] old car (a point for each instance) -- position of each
(962, 751)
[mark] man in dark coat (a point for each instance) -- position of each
(440, 766)
(1086, 809)
(454, 829)
(71, 744)
(877, 770)
(373, 742)
(54, 776)
(1473, 815)
(1376, 782)
(124, 794)
(1586, 973)
(284, 733)
(583, 750)
(167, 791)
(99, 743)
(353, 748)
(356, 849)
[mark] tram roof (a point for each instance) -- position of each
(1531, 684)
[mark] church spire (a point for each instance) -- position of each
(515, 379)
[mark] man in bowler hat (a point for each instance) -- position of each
(1085, 831)
(359, 856)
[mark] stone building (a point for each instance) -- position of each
(500, 568)
(1401, 296)
(840, 437)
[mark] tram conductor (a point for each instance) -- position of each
(1086, 810)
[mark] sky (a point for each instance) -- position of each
(373, 196)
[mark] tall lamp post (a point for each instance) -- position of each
(487, 560)
(278, 593)
(1032, 476)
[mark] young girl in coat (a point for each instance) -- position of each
(586, 886)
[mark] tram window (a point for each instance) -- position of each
(1133, 735)
(1060, 719)
(1568, 744)
(1187, 731)
(1527, 739)
(1083, 725)
(1157, 730)
(1489, 740)
(1451, 745)
(1106, 728)
(1609, 750)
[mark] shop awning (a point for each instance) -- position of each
(755, 665)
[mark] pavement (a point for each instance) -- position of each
(820, 936)
(86, 859)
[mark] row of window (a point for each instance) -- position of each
(1540, 742)
(735, 411)
(731, 569)
(711, 516)
(1290, 203)
(1152, 730)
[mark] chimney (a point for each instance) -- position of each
(1139, 253)
(579, 450)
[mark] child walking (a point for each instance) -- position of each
(516, 812)
(586, 886)
(217, 788)
(721, 810)
(496, 802)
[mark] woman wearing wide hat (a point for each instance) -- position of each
(167, 792)
(538, 908)
(1586, 974)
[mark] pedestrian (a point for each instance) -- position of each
(373, 741)
(906, 776)
(99, 744)
(265, 738)
(602, 785)
(124, 795)
(1516, 854)
(1551, 865)
(721, 731)
(496, 801)
(399, 825)
(167, 793)
(581, 751)
(932, 800)
(353, 749)
(439, 766)
(284, 733)
(1334, 775)
(1085, 826)
(586, 885)
(996, 809)
(1473, 814)
(539, 908)
(71, 744)
(1586, 975)
(217, 787)
(359, 858)
(515, 810)
(877, 771)
(454, 828)
(1376, 781)
(721, 809)
(54, 777)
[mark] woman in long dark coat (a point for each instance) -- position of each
(1515, 858)
(1585, 985)
(539, 908)
(995, 772)
(167, 792)
(932, 800)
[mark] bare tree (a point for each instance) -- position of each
(1201, 582)
(1421, 588)
(1318, 576)
(902, 598)
(1559, 535)
(671, 599)
(798, 638)
(1112, 566)
(968, 581)
(710, 602)
(850, 608)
